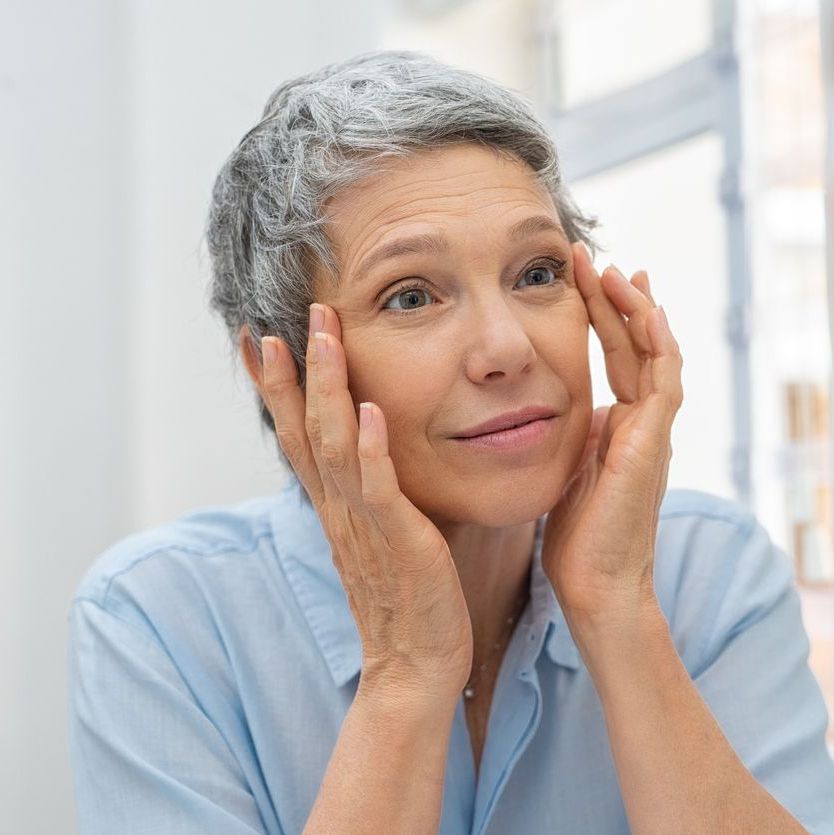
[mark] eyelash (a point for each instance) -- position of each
(556, 264)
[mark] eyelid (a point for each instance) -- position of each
(557, 263)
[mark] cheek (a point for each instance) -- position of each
(565, 349)
(399, 381)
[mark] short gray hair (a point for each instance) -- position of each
(323, 132)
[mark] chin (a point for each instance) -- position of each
(497, 506)
(502, 511)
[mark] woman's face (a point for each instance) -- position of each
(495, 323)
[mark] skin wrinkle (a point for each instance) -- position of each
(482, 347)
(435, 242)
(395, 222)
(388, 220)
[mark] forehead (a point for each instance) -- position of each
(465, 188)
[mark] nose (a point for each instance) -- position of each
(495, 341)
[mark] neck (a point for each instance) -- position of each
(494, 567)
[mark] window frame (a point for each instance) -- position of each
(700, 95)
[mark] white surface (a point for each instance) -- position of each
(119, 408)
(607, 45)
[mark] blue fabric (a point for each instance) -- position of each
(213, 660)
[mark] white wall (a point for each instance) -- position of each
(119, 408)
(65, 487)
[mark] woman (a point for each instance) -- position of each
(475, 607)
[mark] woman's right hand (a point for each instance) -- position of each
(396, 567)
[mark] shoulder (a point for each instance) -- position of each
(172, 561)
(681, 503)
(203, 602)
(703, 534)
(716, 569)
(694, 526)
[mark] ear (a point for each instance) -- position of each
(251, 358)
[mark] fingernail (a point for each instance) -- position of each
(268, 351)
(321, 345)
(616, 271)
(365, 415)
(316, 318)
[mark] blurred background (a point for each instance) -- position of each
(700, 133)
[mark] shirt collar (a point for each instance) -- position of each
(304, 553)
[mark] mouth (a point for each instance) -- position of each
(498, 431)
(528, 434)
(507, 422)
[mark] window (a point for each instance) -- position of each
(602, 46)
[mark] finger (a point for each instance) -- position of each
(644, 380)
(631, 302)
(337, 414)
(640, 279)
(399, 521)
(285, 401)
(667, 364)
(622, 365)
(311, 421)
(666, 396)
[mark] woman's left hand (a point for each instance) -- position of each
(599, 539)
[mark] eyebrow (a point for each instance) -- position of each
(438, 243)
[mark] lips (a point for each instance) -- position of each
(508, 420)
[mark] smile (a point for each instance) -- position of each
(518, 437)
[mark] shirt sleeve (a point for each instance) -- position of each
(146, 758)
(757, 682)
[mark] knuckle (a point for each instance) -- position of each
(335, 456)
(363, 453)
(377, 500)
(313, 428)
(279, 378)
(676, 396)
(292, 447)
(337, 531)
(427, 546)
(340, 543)
(664, 400)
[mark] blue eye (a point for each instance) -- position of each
(543, 269)
(409, 294)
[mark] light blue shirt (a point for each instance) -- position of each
(213, 660)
